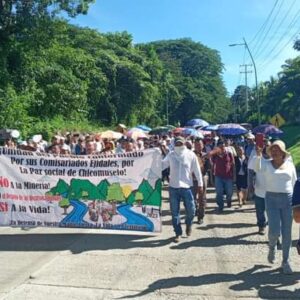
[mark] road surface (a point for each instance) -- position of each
(223, 259)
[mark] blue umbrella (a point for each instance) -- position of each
(192, 132)
(144, 127)
(231, 129)
(267, 129)
(196, 122)
(210, 127)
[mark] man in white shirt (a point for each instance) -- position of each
(182, 163)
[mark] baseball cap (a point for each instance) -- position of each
(179, 139)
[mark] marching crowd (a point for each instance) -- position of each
(262, 172)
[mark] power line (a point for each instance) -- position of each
(240, 76)
(262, 29)
(285, 33)
(276, 30)
(246, 72)
(281, 49)
(268, 30)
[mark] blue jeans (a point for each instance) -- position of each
(222, 185)
(260, 209)
(176, 194)
(280, 218)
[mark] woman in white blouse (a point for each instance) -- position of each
(280, 177)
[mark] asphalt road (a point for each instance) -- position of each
(224, 258)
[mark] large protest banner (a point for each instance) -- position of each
(120, 191)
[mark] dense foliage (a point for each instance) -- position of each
(277, 95)
(280, 94)
(194, 72)
(56, 75)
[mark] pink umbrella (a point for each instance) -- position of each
(139, 135)
(136, 133)
(178, 130)
(205, 132)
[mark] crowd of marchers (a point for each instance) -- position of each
(263, 173)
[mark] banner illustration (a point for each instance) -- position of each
(120, 191)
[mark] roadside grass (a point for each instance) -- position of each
(292, 139)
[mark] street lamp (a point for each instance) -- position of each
(255, 73)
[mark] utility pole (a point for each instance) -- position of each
(255, 74)
(246, 72)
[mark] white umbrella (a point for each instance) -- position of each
(110, 134)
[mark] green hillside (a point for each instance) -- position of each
(145, 188)
(103, 188)
(83, 189)
(61, 188)
(292, 139)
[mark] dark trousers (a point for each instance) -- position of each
(200, 201)
(260, 209)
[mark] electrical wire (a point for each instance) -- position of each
(259, 47)
(262, 28)
(276, 31)
(286, 33)
(240, 74)
(281, 49)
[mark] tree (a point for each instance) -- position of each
(282, 94)
(297, 45)
(19, 16)
(54, 73)
(139, 198)
(64, 203)
(114, 195)
(196, 75)
(239, 103)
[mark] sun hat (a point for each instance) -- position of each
(66, 147)
(250, 136)
(280, 144)
(37, 138)
(15, 134)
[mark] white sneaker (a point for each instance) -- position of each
(286, 268)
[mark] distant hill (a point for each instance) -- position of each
(150, 196)
(81, 189)
(145, 188)
(84, 189)
(61, 188)
(103, 188)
